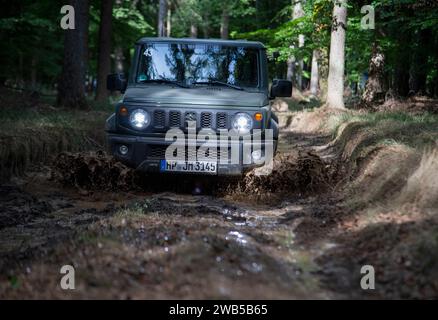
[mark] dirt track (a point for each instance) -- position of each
(236, 241)
(158, 244)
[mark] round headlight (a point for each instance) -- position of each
(139, 119)
(242, 123)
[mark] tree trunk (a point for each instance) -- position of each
(418, 70)
(314, 74)
(33, 73)
(162, 9)
(298, 12)
(225, 22)
(292, 74)
(71, 90)
(400, 79)
(119, 60)
(290, 69)
(335, 95)
(205, 27)
(169, 21)
(193, 31)
(374, 86)
(104, 58)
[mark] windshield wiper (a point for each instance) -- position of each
(222, 83)
(179, 84)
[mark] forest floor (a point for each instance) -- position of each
(332, 205)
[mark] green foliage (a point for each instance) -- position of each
(31, 41)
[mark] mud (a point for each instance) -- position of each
(290, 173)
(18, 207)
(132, 236)
(161, 246)
(93, 171)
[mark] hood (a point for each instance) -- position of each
(166, 94)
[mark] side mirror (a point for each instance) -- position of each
(281, 88)
(116, 82)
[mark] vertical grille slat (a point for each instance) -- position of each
(221, 120)
(174, 119)
(206, 120)
(159, 118)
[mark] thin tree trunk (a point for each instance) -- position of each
(374, 86)
(418, 69)
(290, 69)
(400, 81)
(225, 22)
(104, 59)
(169, 21)
(162, 9)
(205, 27)
(335, 95)
(71, 88)
(33, 73)
(119, 59)
(314, 74)
(298, 12)
(193, 31)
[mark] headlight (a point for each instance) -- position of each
(242, 123)
(139, 119)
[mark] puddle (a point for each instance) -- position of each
(238, 237)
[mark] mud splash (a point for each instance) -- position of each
(292, 173)
(93, 171)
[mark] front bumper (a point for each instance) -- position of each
(146, 153)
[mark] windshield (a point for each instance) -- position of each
(192, 63)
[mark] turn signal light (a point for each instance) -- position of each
(123, 111)
(258, 116)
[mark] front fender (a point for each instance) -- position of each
(275, 128)
(110, 124)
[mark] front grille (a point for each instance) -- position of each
(206, 120)
(157, 152)
(221, 120)
(174, 119)
(159, 118)
(162, 119)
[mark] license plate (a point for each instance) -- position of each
(188, 166)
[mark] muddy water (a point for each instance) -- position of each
(154, 244)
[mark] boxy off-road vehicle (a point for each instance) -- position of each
(193, 88)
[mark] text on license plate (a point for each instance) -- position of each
(188, 166)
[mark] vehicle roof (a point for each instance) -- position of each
(237, 43)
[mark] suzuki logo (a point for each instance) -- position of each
(190, 116)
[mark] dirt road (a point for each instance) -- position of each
(165, 244)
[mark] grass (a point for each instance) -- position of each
(390, 158)
(418, 131)
(31, 135)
